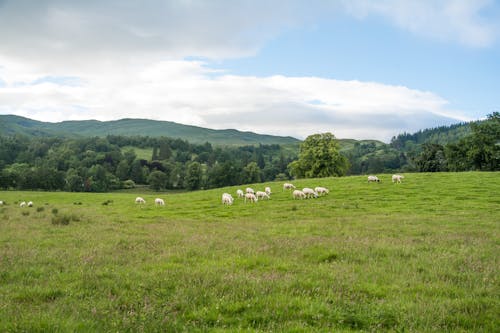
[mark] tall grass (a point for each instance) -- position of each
(418, 256)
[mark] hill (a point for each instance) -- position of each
(11, 125)
(421, 256)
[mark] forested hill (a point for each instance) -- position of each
(11, 125)
(439, 135)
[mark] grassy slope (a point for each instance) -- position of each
(10, 125)
(420, 256)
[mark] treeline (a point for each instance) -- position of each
(102, 164)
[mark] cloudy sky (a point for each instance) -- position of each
(357, 68)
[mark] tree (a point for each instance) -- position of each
(193, 176)
(431, 159)
(319, 157)
(157, 180)
(251, 173)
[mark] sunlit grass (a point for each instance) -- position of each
(418, 256)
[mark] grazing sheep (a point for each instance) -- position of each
(288, 186)
(309, 192)
(298, 194)
(22, 204)
(1, 203)
(240, 193)
(251, 197)
(159, 202)
(262, 195)
(249, 190)
(30, 203)
(373, 179)
(397, 178)
(227, 199)
(267, 190)
(321, 190)
(140, 200)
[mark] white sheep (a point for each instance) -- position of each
(298, 194)
(251, 197)
(288, 186)
(30, 203)
(22, 204)
(267, 190)
(227, 199)
(240, 193)
(397, 178)
(140, 200)
(373, 179)
(249, 190)
(309, 192)
(321, 190)
(1, 203)
(262, 195)
(159, 202)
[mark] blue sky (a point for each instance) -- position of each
(359, 69)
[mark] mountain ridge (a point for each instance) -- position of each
(13, 124)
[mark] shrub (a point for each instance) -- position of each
(55, 211)
(63, 219)
(40, 209)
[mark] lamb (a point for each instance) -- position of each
(267, 190)
(251, 197)
(321, 190)
(22, 204)
(140, 200)
(397, 178)
(30, 203)
(309, 192)
(373, 179)
(262, 195)
(298, 194)
(227, 199)
(240, 193)
(249, 190)
(288, 186)
(159, 202)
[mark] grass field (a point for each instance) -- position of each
(422, 256)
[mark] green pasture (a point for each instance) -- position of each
(421, 256)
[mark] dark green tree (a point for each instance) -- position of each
(193, 176)
(319, 157)
(431, 159)
(157, 180)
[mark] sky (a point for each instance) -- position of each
(356, 68)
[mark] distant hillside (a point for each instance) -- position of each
(11, 125)
(441, 135)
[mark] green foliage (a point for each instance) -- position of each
(431, 159)
(157, 180)
(194, 176)
(319, 157)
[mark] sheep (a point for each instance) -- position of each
(1, 203)
(321, 190)
(309, 192)
(159, 202)
(140, 200)
(267, 190)
(227, 199)
(298, 194)
(373, 179)
(288, 186)
(262, 195)
(249, 190)
(251, 197)
(397, 178)
(240, 193)
(30, 203)
(22, 204)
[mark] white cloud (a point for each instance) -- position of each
(113, 59)
(450, 20)
(188, 92)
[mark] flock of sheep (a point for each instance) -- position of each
(254, 196)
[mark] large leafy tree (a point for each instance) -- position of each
(319, 157)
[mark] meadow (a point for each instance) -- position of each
(421, 256)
